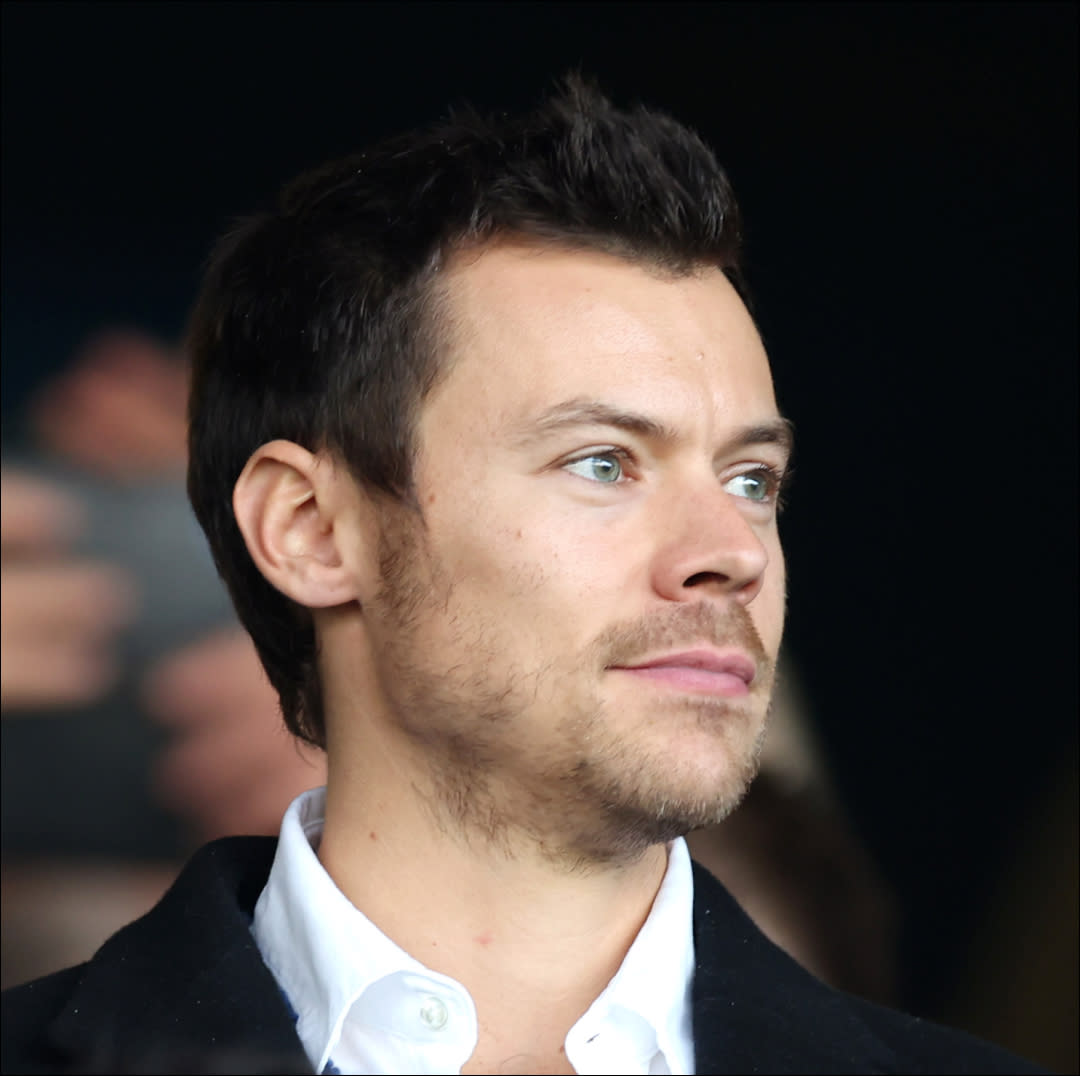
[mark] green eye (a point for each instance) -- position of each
(753, 485)
(602, 467)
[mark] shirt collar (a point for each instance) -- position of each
(325, 954)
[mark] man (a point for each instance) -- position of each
(486, 447)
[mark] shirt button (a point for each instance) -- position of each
(433, 1013)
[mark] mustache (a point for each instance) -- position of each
(684, 626)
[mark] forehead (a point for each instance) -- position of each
(533, 325)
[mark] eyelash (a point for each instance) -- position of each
(783, 486)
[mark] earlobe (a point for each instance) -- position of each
(287, 512)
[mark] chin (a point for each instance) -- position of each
(627, 816)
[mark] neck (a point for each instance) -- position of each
(523, 930)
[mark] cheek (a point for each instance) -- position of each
(539, 589)
(522, 547)
(527, 589)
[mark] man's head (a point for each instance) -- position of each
(494, 380)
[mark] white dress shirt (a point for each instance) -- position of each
(364, 1005)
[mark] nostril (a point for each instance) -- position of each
(700, 578)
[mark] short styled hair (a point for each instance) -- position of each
(318, 320)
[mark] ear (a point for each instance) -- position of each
(288, 509)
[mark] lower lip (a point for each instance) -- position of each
(692, 679)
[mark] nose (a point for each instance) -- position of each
(709, 547)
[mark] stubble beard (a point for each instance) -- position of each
(590, 794)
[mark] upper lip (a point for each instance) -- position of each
(732, 662)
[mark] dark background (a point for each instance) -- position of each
(908, 177)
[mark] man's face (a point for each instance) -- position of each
(579, 630)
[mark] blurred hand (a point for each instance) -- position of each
(232, 767)
(59, 614)
(120, 411)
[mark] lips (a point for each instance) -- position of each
(728, 673)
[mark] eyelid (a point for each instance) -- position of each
(624, 454)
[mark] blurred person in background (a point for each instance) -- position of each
(104, 575)
(91, 492)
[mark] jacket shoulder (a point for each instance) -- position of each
(756, 1010)
(929, 1047)
(25, 1013)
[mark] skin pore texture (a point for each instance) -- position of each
(561, 657)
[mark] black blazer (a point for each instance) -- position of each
(184, 990)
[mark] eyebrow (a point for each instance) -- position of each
(583, 412)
